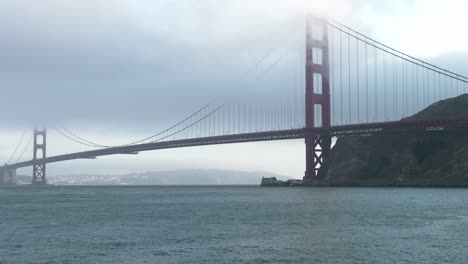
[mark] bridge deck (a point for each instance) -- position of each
(405, 126)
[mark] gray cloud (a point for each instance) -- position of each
(136, 64)
(141, 65)
(97, 61)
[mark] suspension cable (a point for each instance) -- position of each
(91, 144)
(17, 147)
(166, 130)
(415, 62)
(82, 139)
(392, 49)
(72, 139)
(189, 126)
(25, 148)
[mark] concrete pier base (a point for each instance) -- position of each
(7, 176)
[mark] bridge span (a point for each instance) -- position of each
(371, 129)
(354, 86)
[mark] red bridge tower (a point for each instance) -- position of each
(317, 98)
(39, 155)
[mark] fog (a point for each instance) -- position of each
(120, 70)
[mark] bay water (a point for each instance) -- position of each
(232, 224)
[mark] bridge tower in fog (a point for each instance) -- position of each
(317, 74)
(354, 86)
(39, 155)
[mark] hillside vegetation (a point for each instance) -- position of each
(431, 159)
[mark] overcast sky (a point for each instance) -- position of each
(125, 69)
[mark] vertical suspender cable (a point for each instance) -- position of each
(433, 86)
(376, 89)
(394, 89)
(413, 87)
(417, 89)
(341, 78)
(440, 87)
(349, 80)
(367, 85)
(451, 86)
(357, 83)
(332, 79)
(385, 84)
(404, 91)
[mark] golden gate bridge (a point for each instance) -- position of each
(353, 85)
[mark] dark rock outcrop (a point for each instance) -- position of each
(438, 159)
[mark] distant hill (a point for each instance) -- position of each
(178, 177)
(432, 159)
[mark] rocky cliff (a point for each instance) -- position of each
(432, 159)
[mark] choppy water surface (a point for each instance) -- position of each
(232, 225)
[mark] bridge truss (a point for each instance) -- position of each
(353, 86)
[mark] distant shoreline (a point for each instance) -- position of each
(253, 185)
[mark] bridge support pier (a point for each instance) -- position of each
(39, 155)
(7, 176)
(317, 98)
(2, 175)
(317, 152)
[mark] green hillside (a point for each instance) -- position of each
(432, 159)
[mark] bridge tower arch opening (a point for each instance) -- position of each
(317, 98)
(39, 155)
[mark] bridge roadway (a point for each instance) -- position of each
(398, 127)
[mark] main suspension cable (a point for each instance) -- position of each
(17, 147)
(25, 148)
(392, 49)
(189, 126)
(88, 143)
(419, 63)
